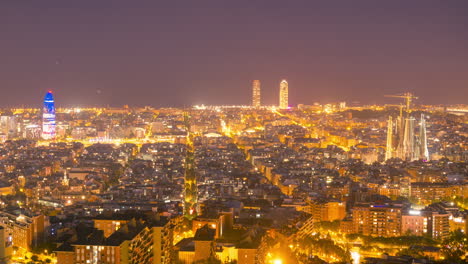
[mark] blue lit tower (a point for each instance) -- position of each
(48, 117)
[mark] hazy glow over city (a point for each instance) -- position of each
(234, 132)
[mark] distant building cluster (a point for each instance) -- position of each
(283, 94)
(318, 183)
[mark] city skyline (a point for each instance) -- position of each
(223, 178)
(170, 54)
(255, 100)
(234, 132)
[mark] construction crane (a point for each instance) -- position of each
(400, 106)
(408, 98)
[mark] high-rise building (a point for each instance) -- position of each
(48, 117)
(377, 220)
(256, 93)
(283, 95)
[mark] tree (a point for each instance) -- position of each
(411, 251)
(455, 247)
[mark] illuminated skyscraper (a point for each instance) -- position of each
(256, 93)
(48, 117)
(283, 94)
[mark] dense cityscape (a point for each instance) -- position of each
(332, 183)
(234, 132)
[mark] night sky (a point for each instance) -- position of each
(181, 53)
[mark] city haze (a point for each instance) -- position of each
(161, 54)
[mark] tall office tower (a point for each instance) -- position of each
(256, 93)
(48, 117)
(389, 151)
(424, 152)
(190, 178)
(283, 94)
(408, 140)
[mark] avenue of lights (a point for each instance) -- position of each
(313, 183)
